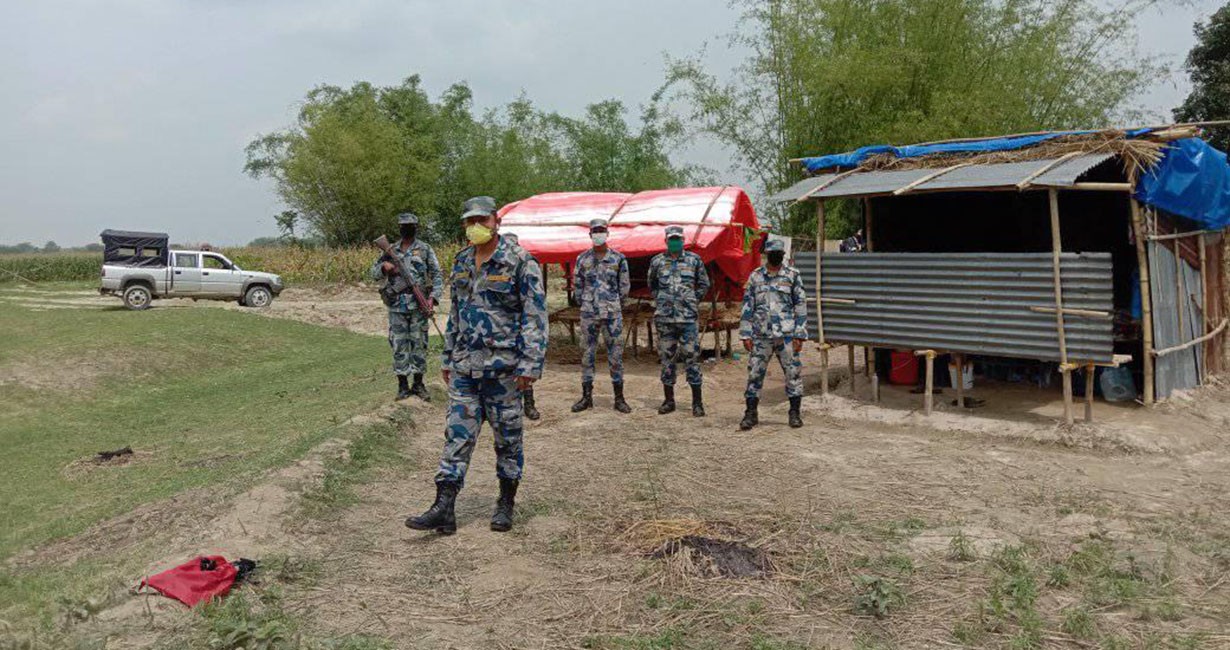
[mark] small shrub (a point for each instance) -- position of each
(961, 549)
(1078, 622)
(877, 595)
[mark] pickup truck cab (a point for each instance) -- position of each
(140, 267)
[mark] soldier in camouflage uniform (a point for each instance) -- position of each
(407, 322)
(773, 322)
(601, 283)
(494, 349)
(678, 281)
(527, 396)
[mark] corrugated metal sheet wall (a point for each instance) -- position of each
(1177, 370)
(977, 303)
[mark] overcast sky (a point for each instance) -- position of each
(134, 113)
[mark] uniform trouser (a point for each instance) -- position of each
(408, 338)
(758, 363)
(679, 343)
(472, 400)
(613, 330)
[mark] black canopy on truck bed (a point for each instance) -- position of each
(135, 248)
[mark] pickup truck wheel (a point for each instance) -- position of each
(137, 297)
(258, 297)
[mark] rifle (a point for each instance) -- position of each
(403, 281)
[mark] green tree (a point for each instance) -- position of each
(356, 157)
(827, 76)
(1208, 65)
(51, 247)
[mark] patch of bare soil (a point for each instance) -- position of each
(938, 519)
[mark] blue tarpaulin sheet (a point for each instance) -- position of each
(855, 158)
(1193, 181)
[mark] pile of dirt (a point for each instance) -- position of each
(716, 558)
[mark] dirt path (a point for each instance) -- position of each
(861, 490)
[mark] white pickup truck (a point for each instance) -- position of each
(140, 267)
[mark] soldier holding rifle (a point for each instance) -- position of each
(405, 269)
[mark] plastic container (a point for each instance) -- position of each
(967, 375)
(1117, 384)
(905, 369)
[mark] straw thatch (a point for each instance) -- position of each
(1137, 154)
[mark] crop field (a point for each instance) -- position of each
(295, 264)
(255, 435)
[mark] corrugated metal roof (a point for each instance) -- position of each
(977, 303)
(800, 189)
(971, 177)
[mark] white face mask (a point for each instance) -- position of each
(599, 238)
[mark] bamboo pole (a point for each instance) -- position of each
(869, 367)
(1204, 306)
(1165, 351)
(927, 397)
(960, 361)
(824, 351)
(1146, 300)
(850, 349)
(1089, 370)
(1056, 249)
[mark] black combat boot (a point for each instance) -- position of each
(439, 517)
(403, 387)
(502, 520)
(419, 389)
(796, 420)
(750, 417)
(620, 404)
(530, 410)
(587, 397)
(668, 403)
(698, 406)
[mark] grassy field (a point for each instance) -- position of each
(205, 397)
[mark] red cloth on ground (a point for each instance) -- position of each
(190, 584)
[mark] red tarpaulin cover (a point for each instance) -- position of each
(191, 584)
(719, 224)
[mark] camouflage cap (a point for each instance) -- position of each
(479, 206)
(674, 231)
(597, 224)
(407, 219)
(774, 245)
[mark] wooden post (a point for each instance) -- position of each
(866, 362)
(1204, 307)
(960, 361)
(1056, 249)
(927, 396)
(824, 350)
(1146, 299)
(850, 348)
(1089, 371)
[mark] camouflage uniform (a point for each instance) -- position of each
(678, 284)
(497, 331)
(774, 315)
(601, 285)
(407, 323)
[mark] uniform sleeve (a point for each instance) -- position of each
(578, 278)
(702, 279)
(625, 278)
(375, 271)
(652, 279)
(436, 274)
(532, 340)
(749, 308)
(450, 330)
(800, 307)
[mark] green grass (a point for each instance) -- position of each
(208, 398)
